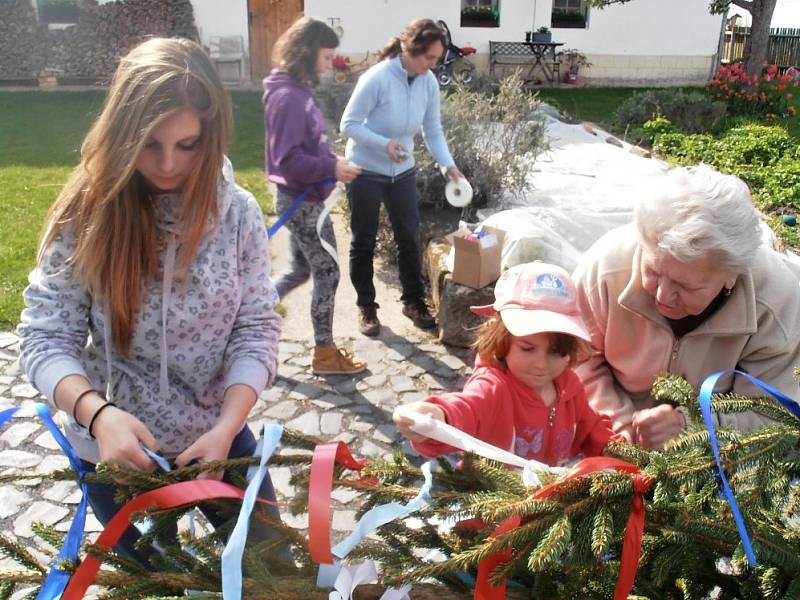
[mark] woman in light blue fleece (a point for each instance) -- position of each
(149, 316)
(391, 103)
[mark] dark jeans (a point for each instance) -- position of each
(399, 195)
(101, 499)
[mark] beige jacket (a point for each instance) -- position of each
(757, 330)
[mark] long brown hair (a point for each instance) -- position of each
(417, 37)
(105, 201)
(296, 51)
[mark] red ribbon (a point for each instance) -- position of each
(631, 544)
(169, 496)
(319, 496)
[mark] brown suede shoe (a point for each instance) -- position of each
(330, 360)
(368, 323)
(418, 312)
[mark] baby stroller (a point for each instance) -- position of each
(454, 64)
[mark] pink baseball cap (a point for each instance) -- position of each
(536, 298)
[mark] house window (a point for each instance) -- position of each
(480, 13)
(572, 14)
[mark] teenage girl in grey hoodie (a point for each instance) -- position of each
(149, 316)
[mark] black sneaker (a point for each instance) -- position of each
(368, 323)
(419, 314)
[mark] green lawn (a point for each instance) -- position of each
(41, 133)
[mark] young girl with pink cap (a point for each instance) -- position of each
(523, 395)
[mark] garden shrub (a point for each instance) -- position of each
(690, 112)
(493, 139)
(766, 157)
(766, 95)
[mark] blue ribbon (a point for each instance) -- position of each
(370, 521)
(292, 208)
(234, 549)
(706, 390)
(57, 579)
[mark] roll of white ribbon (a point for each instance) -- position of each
(458, 193)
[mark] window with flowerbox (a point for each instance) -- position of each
(480, 13)
(569, 14)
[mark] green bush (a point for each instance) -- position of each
(492, 138)
(689, 112)
(767, 158)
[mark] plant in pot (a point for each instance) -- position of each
(573, 60)
(542, 35)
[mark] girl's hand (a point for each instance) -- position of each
(346, 171)
(454, 174)
(214, 444)
(118, 435)
(396, 152)
(425, 408)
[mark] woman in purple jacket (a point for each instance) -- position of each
(299, 158)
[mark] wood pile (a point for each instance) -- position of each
(104, 33)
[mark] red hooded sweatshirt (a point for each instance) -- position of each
(498, 408)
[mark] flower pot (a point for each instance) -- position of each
(542, 37)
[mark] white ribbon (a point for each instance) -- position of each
(447, 434)
(326, 208)
(351, 576)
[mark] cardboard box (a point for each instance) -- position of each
(476, 260)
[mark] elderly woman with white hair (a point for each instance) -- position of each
(687, 289)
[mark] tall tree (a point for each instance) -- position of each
(755, 50)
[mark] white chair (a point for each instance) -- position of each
(228, 49)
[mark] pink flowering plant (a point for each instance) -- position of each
(766, 95)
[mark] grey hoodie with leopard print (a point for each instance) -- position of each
(194, 336)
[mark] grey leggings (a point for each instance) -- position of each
(310, 258)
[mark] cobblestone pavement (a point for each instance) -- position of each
(356, 410)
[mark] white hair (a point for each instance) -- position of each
(696, 212)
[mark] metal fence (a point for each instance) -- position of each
(783, 48)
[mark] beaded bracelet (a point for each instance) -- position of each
(80, 397)
(95, 415)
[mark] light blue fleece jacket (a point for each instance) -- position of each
(195, 334)
(384, 107)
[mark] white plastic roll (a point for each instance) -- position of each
(458, 193)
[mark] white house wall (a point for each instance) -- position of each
(642, 41)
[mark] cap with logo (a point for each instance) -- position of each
(536, 297)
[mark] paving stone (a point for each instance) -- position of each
(451, 361)
(6, 380)
(344, 436)
(432, 348)
(18, 433)
(19, 459)
(12, 500)
(414, 371)
(331, 401)
(274, 394)
(92, 524)
(379, 395)
(373, 358)
(59, 490)
(371, 449)
(47, 441)
(401, 383)
(344, 495)
(331, 423)
(361, 409)
(413, 397)
(386, 433)
(374, 380)
(288, 349)
(6, 402)
(280, 481)
(281, 412)
(53, 462)
(360, 426)
(367, 345)
(289, 370)
(39, 511)
(296, 521)
(302, 361)
(12, 370)
(343, 520)
(307, 423)
(346, 386)
(8, 339)
(305, 391)
(24, 390)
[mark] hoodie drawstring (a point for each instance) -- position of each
(107, 343)
(166, 294)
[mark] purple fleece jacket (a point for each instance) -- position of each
(297, 150)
